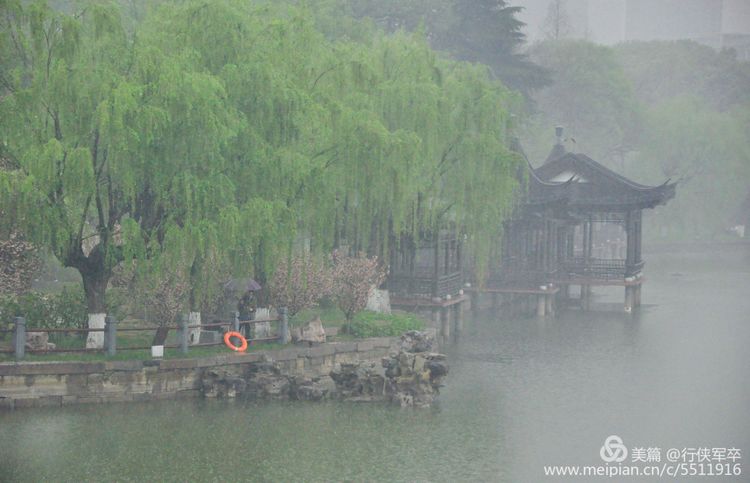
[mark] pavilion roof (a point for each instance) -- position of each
(590, 184)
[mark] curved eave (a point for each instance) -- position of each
(540, 192)
(644, 199)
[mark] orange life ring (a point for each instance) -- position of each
(241, 348)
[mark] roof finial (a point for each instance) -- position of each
(558, 149)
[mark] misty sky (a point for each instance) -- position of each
(714, 22)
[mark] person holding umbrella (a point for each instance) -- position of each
(248, 301)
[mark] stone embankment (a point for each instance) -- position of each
(401, 370)
(409, 375)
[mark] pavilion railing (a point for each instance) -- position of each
(600, 268)
(519, 275)
(423, 285)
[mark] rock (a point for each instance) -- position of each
(419, 363)
(406, 377)
(391, 367)
(315, 389)
(220, 383)
(38, 341)
(415, 341)
(265, 381)
(379, 301)
(311, 333)
(437, 369)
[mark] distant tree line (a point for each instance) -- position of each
(654, 110)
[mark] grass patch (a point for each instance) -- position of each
(129, 339)
(373, 324)
(330, 316)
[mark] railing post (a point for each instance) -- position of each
(19, 337)
(183, 334)
(236, 322)
(283, 325)
(110, 335)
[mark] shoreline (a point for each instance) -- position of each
(55, 383)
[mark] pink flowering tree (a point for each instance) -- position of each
(19, 263)
(353, 278)
(299, 283)
(166, 296)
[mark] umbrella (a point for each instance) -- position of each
(243, 285)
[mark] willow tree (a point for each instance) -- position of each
(356, 139)
(115, 142)
(421, 144)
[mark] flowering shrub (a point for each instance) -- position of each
(166, 296)
(300, 283)
(19, 262)
(353, 278)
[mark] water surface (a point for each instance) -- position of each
(521, 394)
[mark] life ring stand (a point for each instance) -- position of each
(227, 340)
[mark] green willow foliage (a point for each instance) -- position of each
(215, 133)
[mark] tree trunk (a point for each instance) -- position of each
(95, 287)
(160, 336)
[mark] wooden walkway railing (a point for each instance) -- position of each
(111, 330)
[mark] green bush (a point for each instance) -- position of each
(64, 310)
(34, 306)
(69, 308)
(372, 324)
(119, 302)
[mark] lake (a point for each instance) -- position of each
(521, 394)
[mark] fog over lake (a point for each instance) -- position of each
(521, 394)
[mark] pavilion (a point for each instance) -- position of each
(580, 224)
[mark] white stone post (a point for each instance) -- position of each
(194, 318)
(95, 340)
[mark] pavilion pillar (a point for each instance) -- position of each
(630, 257)
(587, 244)
(571, 242)
(629, 295)
(638, 235)
(541, 305)
(436, 268)
(459, 260)
(435, 317)
(445, 324)
(630, 242)
(458, 317)
(585, 297)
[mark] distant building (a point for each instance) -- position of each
(716, 23)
